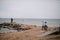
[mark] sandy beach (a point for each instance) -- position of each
(29, 34)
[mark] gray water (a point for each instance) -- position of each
(38, 22)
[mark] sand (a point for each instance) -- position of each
(29, 35)
(23, 35)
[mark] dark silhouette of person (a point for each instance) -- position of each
(11, 20)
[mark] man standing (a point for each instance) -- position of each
(44, 26)
(11, 20)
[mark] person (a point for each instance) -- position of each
(11, 20)
(44, 26)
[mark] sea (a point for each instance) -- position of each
(33, 21)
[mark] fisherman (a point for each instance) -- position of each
(44, 26)
(11, 20)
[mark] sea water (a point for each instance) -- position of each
(38, 22)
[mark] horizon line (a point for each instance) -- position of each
(33, 18)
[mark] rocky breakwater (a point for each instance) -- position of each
(14, 27)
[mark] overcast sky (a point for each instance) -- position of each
(30, 9)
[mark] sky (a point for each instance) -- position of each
(30, 9)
